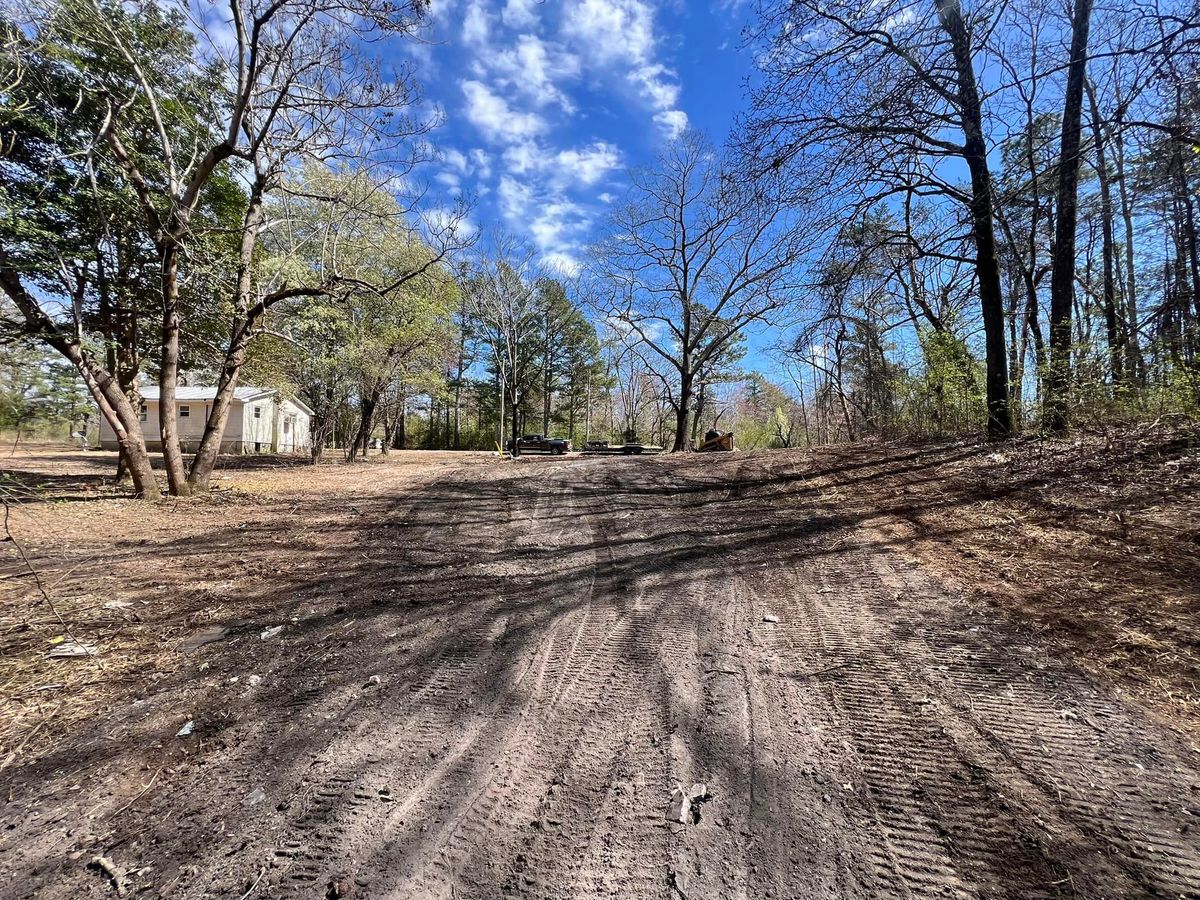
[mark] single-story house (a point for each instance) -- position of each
(260, 420)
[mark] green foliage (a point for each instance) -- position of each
(947, 397)
(39, 392)
(64, 197)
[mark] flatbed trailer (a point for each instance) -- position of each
(604, 448)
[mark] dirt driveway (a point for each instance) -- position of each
(491, 679)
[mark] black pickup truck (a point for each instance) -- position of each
(541, 443)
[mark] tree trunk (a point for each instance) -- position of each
(366, 424)
(1062, 274)
(682, 411)
(1016, 362)
(516, 413)
(168, 376)
(1133, 355)
(987, 266)
(546, 378)
(103, 387)
(125, 420)
(235, 354)
(500, 420)
(218, 416)
(458, 411)
(389, 428)
(1112, 317)
(587, 410)
(321, 424)
(571, 411)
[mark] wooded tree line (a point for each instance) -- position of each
(1019, 177)
(944, 216)
(251, 210)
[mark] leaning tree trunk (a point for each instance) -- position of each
(218, 417)
(1062, 273)
(987, 265)
(104, 388)
(235, 353)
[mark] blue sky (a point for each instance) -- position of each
(547, 104)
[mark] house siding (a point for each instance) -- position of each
(257, 431)
(295, 429)
(244, 433)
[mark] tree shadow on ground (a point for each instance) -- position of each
(411, 589)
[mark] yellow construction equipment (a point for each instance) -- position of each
(714, 441)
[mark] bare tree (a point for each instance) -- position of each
(1062, 276)
(873, 100)
(502, 290)
(692, 259)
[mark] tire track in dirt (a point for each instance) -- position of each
(1035, 714)
(578, 636)
(430, 745)
(341, 793)
(934, 798)
(582, 825)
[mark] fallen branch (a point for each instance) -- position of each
(105, 865)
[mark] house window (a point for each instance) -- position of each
(258, 412)
(143, 414)
(287, 425)
(185, 412)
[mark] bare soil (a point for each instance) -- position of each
(897, 671)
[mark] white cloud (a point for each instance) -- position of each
(557, 225)
(492, 115)
(534, 69)
(520, 13)
(611, 30)
(456, 159)
(586, 167)
(558, 230)
(481, 162)
(475, 28)
(605, 197)
(515, 197)
(573, 167)
(567, 263)
(521, 158)
(654, 83)
(619, 35)
(672, 121)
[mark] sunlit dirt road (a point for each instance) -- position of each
(491, 685)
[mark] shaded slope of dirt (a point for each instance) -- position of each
(1094, 542)
(491, 678)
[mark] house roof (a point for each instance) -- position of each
(190, 393)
